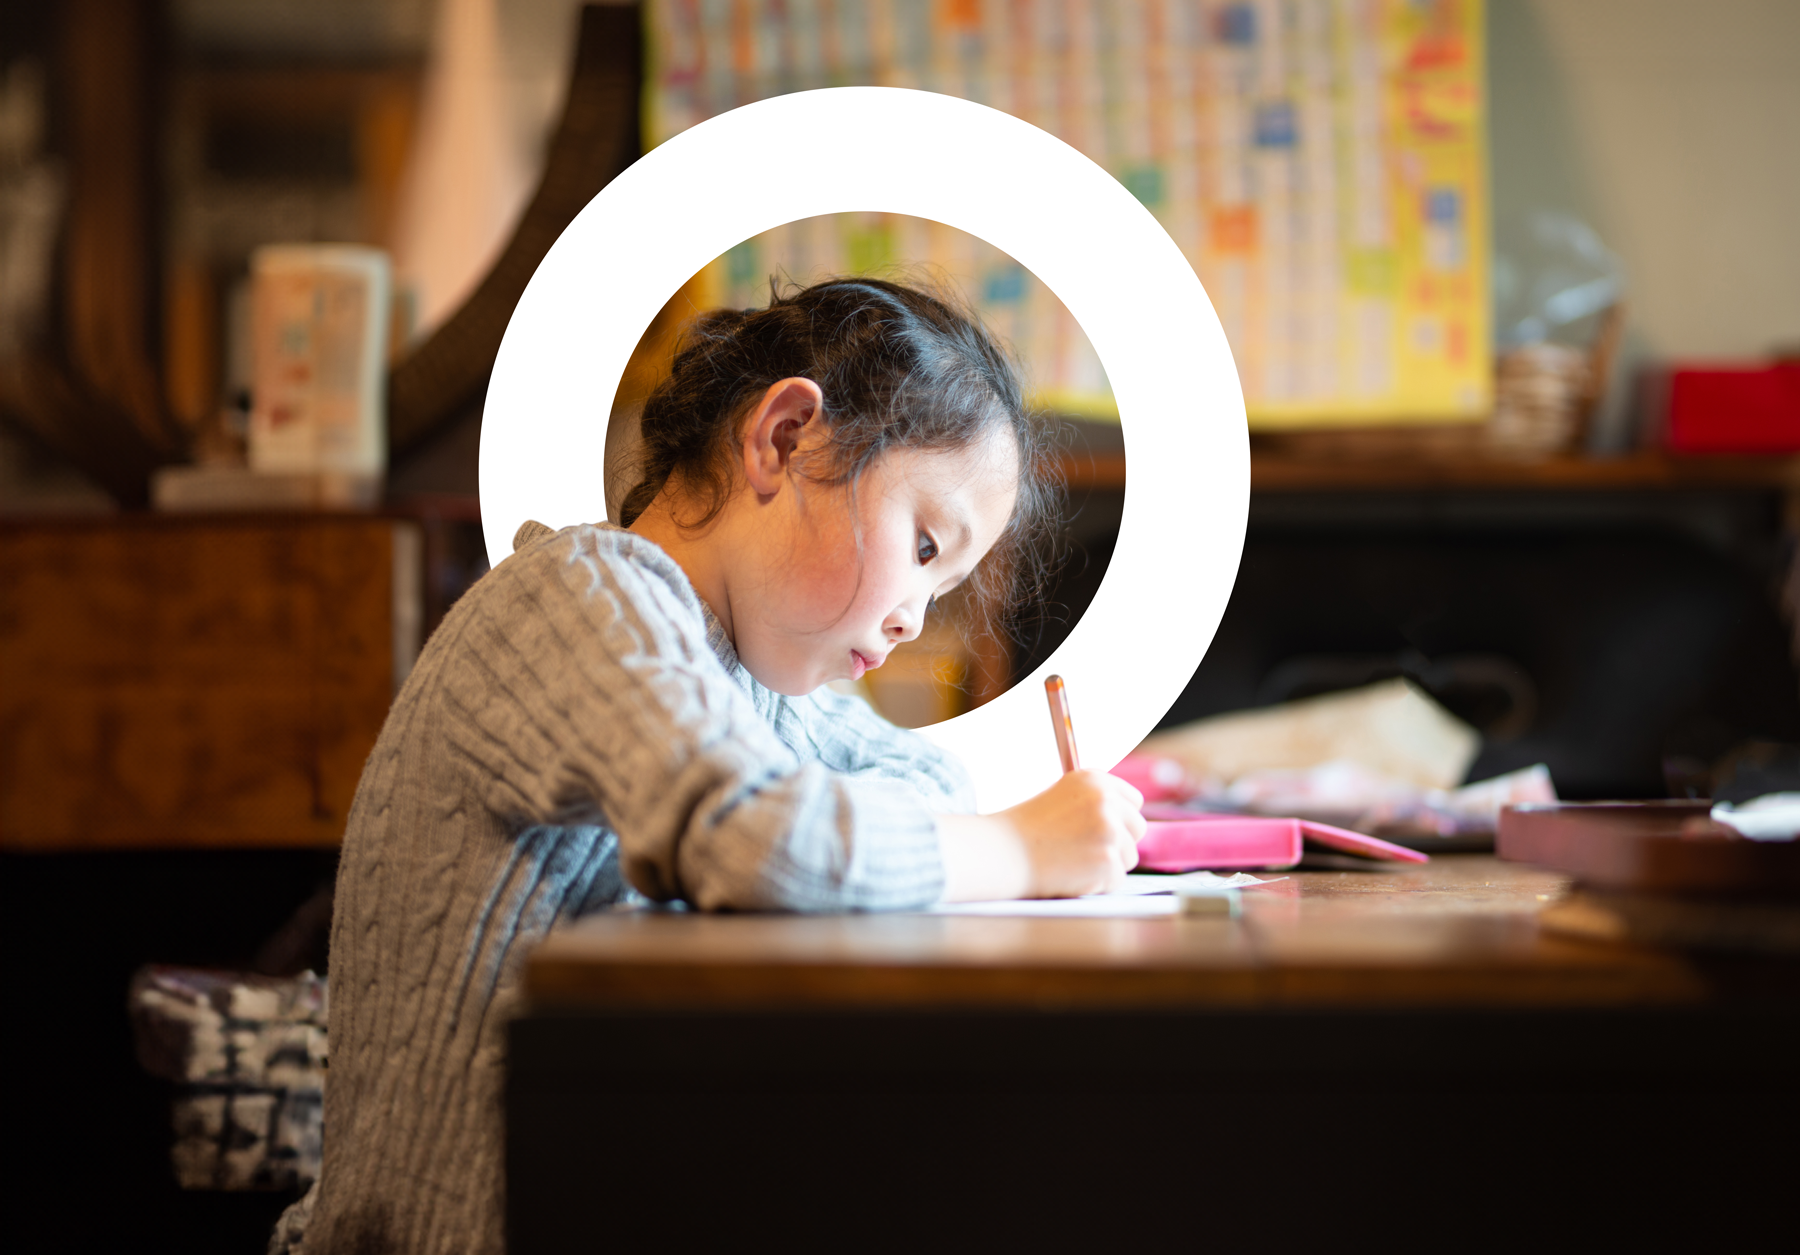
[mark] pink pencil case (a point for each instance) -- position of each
(1158, 779)
(1246, 841)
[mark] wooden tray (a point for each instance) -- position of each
(1648, 847)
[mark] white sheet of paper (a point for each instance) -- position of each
(1139, 883)
(1140, 896)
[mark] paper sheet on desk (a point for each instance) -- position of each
(1139, 897)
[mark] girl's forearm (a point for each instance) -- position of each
(985, 858)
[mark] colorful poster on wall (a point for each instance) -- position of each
(1322, 163)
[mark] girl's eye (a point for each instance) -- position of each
(927, 549)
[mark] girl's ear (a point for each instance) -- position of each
(774, 429)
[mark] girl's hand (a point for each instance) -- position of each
(1078, 836)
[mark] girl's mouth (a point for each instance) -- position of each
(860, 664)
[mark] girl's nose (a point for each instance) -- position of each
(904, 623)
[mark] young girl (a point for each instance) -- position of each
(641, 709)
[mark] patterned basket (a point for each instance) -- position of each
(247, 1056)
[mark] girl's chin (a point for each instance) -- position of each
(799, 678)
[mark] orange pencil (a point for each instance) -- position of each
(1058, 693)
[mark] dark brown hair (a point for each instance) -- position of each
(899, 368)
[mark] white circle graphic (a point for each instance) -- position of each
(848, 149)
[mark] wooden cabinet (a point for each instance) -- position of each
(171, 683)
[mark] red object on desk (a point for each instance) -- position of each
(1666, 847)
(1245, 841)
(1735, 410)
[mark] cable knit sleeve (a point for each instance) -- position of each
(587, 692)
(846, 735)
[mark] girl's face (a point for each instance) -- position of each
(810, 605)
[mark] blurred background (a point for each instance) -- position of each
(1514, 290)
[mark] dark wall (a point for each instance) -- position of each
(1609, 635)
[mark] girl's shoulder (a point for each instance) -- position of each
(607, 543)
(596, 554)
(609, 536)
(603, 569)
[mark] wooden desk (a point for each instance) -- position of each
(1024, 1081)
(1458, 931)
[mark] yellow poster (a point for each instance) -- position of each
(1322, 163)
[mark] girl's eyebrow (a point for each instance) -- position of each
(960, 522)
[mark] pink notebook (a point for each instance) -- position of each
(1245, 841)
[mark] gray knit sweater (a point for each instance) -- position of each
(578, 726)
